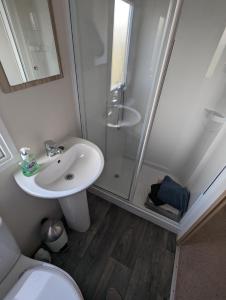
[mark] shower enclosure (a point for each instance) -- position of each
(149, 126)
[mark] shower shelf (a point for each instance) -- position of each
(131, 116)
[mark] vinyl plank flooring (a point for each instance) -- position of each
(99, 209)
(150, 266)
(119, 250)
(78, 241)
(115, 275)
(171, 245)
(139, 285)
(95, 259)
(130, 240)
(164, 282)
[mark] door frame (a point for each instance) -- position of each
(207, 215)
(209, 202)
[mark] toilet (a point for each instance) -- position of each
(23, 278)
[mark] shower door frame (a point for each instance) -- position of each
(172, 20)
(173, 17)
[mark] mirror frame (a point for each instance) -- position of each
(4, 83)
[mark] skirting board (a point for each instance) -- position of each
(175, 271)
(149, 216)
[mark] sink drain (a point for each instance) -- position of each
(69, 177)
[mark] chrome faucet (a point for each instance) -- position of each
(52, 148)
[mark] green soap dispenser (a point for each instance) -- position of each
(29, 165)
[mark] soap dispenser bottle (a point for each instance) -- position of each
(29, 165)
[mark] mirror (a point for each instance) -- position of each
(28, 49)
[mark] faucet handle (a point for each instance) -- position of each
(52, 148)
(49, 144)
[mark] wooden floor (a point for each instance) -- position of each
(119, 250)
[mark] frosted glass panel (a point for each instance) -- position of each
(122, 13)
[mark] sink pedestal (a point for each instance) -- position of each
(76, 211)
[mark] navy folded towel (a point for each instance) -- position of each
(173, 194)
(153, 194)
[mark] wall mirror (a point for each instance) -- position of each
(29, 53)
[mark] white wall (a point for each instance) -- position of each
(31, 116)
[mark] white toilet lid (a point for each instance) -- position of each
(44, 283)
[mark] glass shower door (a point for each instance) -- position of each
(118, 45)
(188, 137)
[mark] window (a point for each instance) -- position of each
(121, 38)
(8, 152)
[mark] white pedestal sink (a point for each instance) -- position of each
(65, 177)
(76, 211)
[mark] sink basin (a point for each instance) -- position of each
(74, 171)
(65, 177)
(65, 174)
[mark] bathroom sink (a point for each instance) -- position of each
(64, 174)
